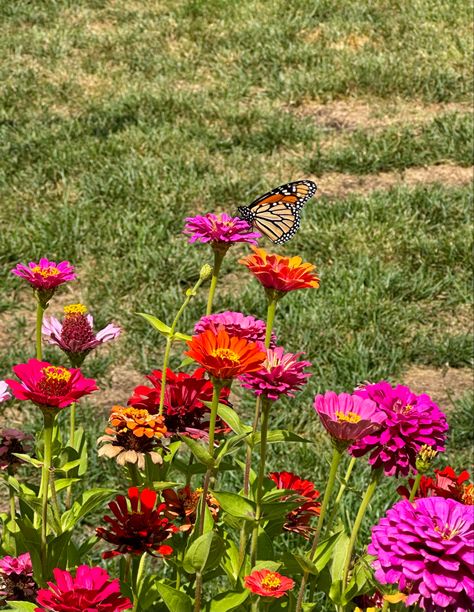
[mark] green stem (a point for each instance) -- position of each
(48, 418)
(261, 475)
(415, 486)
(138, 581)
(72, 433)
(218, 259)
(270, 318)
(336, 459)
(374, 481)
(340, 493)
(39, 323)
(134, 473)
(55, 502)
(386, 605)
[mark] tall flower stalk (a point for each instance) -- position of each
(218, 259)
(48, 425)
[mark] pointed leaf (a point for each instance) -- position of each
(227, 601)
(21, 606)
(236, 505)
(336, 592)
(28, 459)
(229, 416)
(175, 601)
(199, 451)
(204, 553)
(280, 435)
(156, 323)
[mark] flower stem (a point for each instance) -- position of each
(72, 432)
(261, 475)
(415, 486)
(374, 481)
(270, 318)
(340, 493)
(218, 259)
(138, 581)
(48, 418)
(135, 478)
(336, 459)
(39, 323)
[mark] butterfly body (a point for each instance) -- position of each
(276, 214)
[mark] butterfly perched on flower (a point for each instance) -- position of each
(277, 213)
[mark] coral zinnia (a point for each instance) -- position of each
(91, 590)
(347, 417)
(182, 505)
(225, 356)
(75, 335)
(410, 422)
(268, 584)
(298, 520)
(235, 324)
(184, 411)
(4, 393)
(16, 579)
(426, 547)
(280, 274)
(48, 385)
(446, 483)
(220, 230)
(281, 374)
(45, 275)
(138, 527)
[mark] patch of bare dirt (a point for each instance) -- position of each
(121, 381)
(443, 385)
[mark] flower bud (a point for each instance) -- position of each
(425, 458)
(205, 272)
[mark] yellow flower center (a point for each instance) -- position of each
(446, 532)
(75, 309)
(47, 271)
(271, 582)
(224, 353)
(56, 374)
(350, 417)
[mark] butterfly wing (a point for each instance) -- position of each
(276, 213)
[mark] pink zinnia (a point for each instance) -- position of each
(16, 578)
(45, 275)
(4, 393)
(281, 374)
(410, 422)
(347, 417)
(268, 584)
(427, 549)
(91, 590)
(220, 230)
(16, 565)
(49, 386)
(75, 335)
(235, 324)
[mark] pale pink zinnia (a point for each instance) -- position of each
(4, 393)
(235, 324)
(426, 548)
(75, 335)
(45, 275)
(347, 417)
(410, 422)
(219, 229)
(281, 374)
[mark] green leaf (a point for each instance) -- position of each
(336, 592)
(175, 601)
(160, 485)
(198, 450)
(306, 565)
(324, 550)
(204, 553)
(230, 446)
(181, 336)
(230, 561)
(89, 500)
(265, 545)
(69, 465)
(236, 505)
(63, 483)
(232, 419)
(57, 551)
(273, 566)
(277, 509)
(280, 435)
(225, 602)
(156, 323)
(21, 606)
(28, 459)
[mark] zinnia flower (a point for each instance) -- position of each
(16, 579)
(446, 483)
(4, 393)
(426, 547)
(11, 441)
(410, 422)
(235, 324)
(268, 584)
(281, 374)
(225, 356)
(91, 590)
(280, 274)
(298, 520)
(347, 417)
(134, 434)
(138, 525)
(49, 386)
(45, 276)
(75, 335)
(182, 505)
(220, 230)
(184, 411)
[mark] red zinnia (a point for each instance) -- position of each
(282, 274)
(225, 356)
(48, 385)
(445, 484)
(138, 527)
(268, 584)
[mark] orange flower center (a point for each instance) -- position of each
(271, 582)
(55, 381)
(350, 417)
(47, 271)
(73, 309)
(468, 495)
(225, 353)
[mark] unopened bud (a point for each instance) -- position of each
(425, 458)
(205, 272)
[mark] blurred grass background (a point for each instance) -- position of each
(120, 118)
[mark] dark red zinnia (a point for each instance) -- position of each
(446, 483)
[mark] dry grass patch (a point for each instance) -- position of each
(443, 385)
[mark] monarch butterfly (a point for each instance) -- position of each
(277, 213)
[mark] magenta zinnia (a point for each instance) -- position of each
(347, 417)
(410, 422)
(49, 386)
(75, 335)
(16, 579)
(4, 393)
(220, 230)
(426, 548)
(282, 374)
(45, 277)
(91, 590)
(235, 324)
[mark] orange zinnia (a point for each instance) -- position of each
(225, 356)
(279, 273)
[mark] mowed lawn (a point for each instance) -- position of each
(118, 119)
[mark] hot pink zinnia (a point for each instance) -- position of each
(427, 548)
(219, 229)
(4, 393)
(48, 385)
(75, 335)
(235, 324)
(410, 421)
(347, 417)
(16, 579)
(45, 275)
(281, 374)
(16, 565)
(92, 589)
